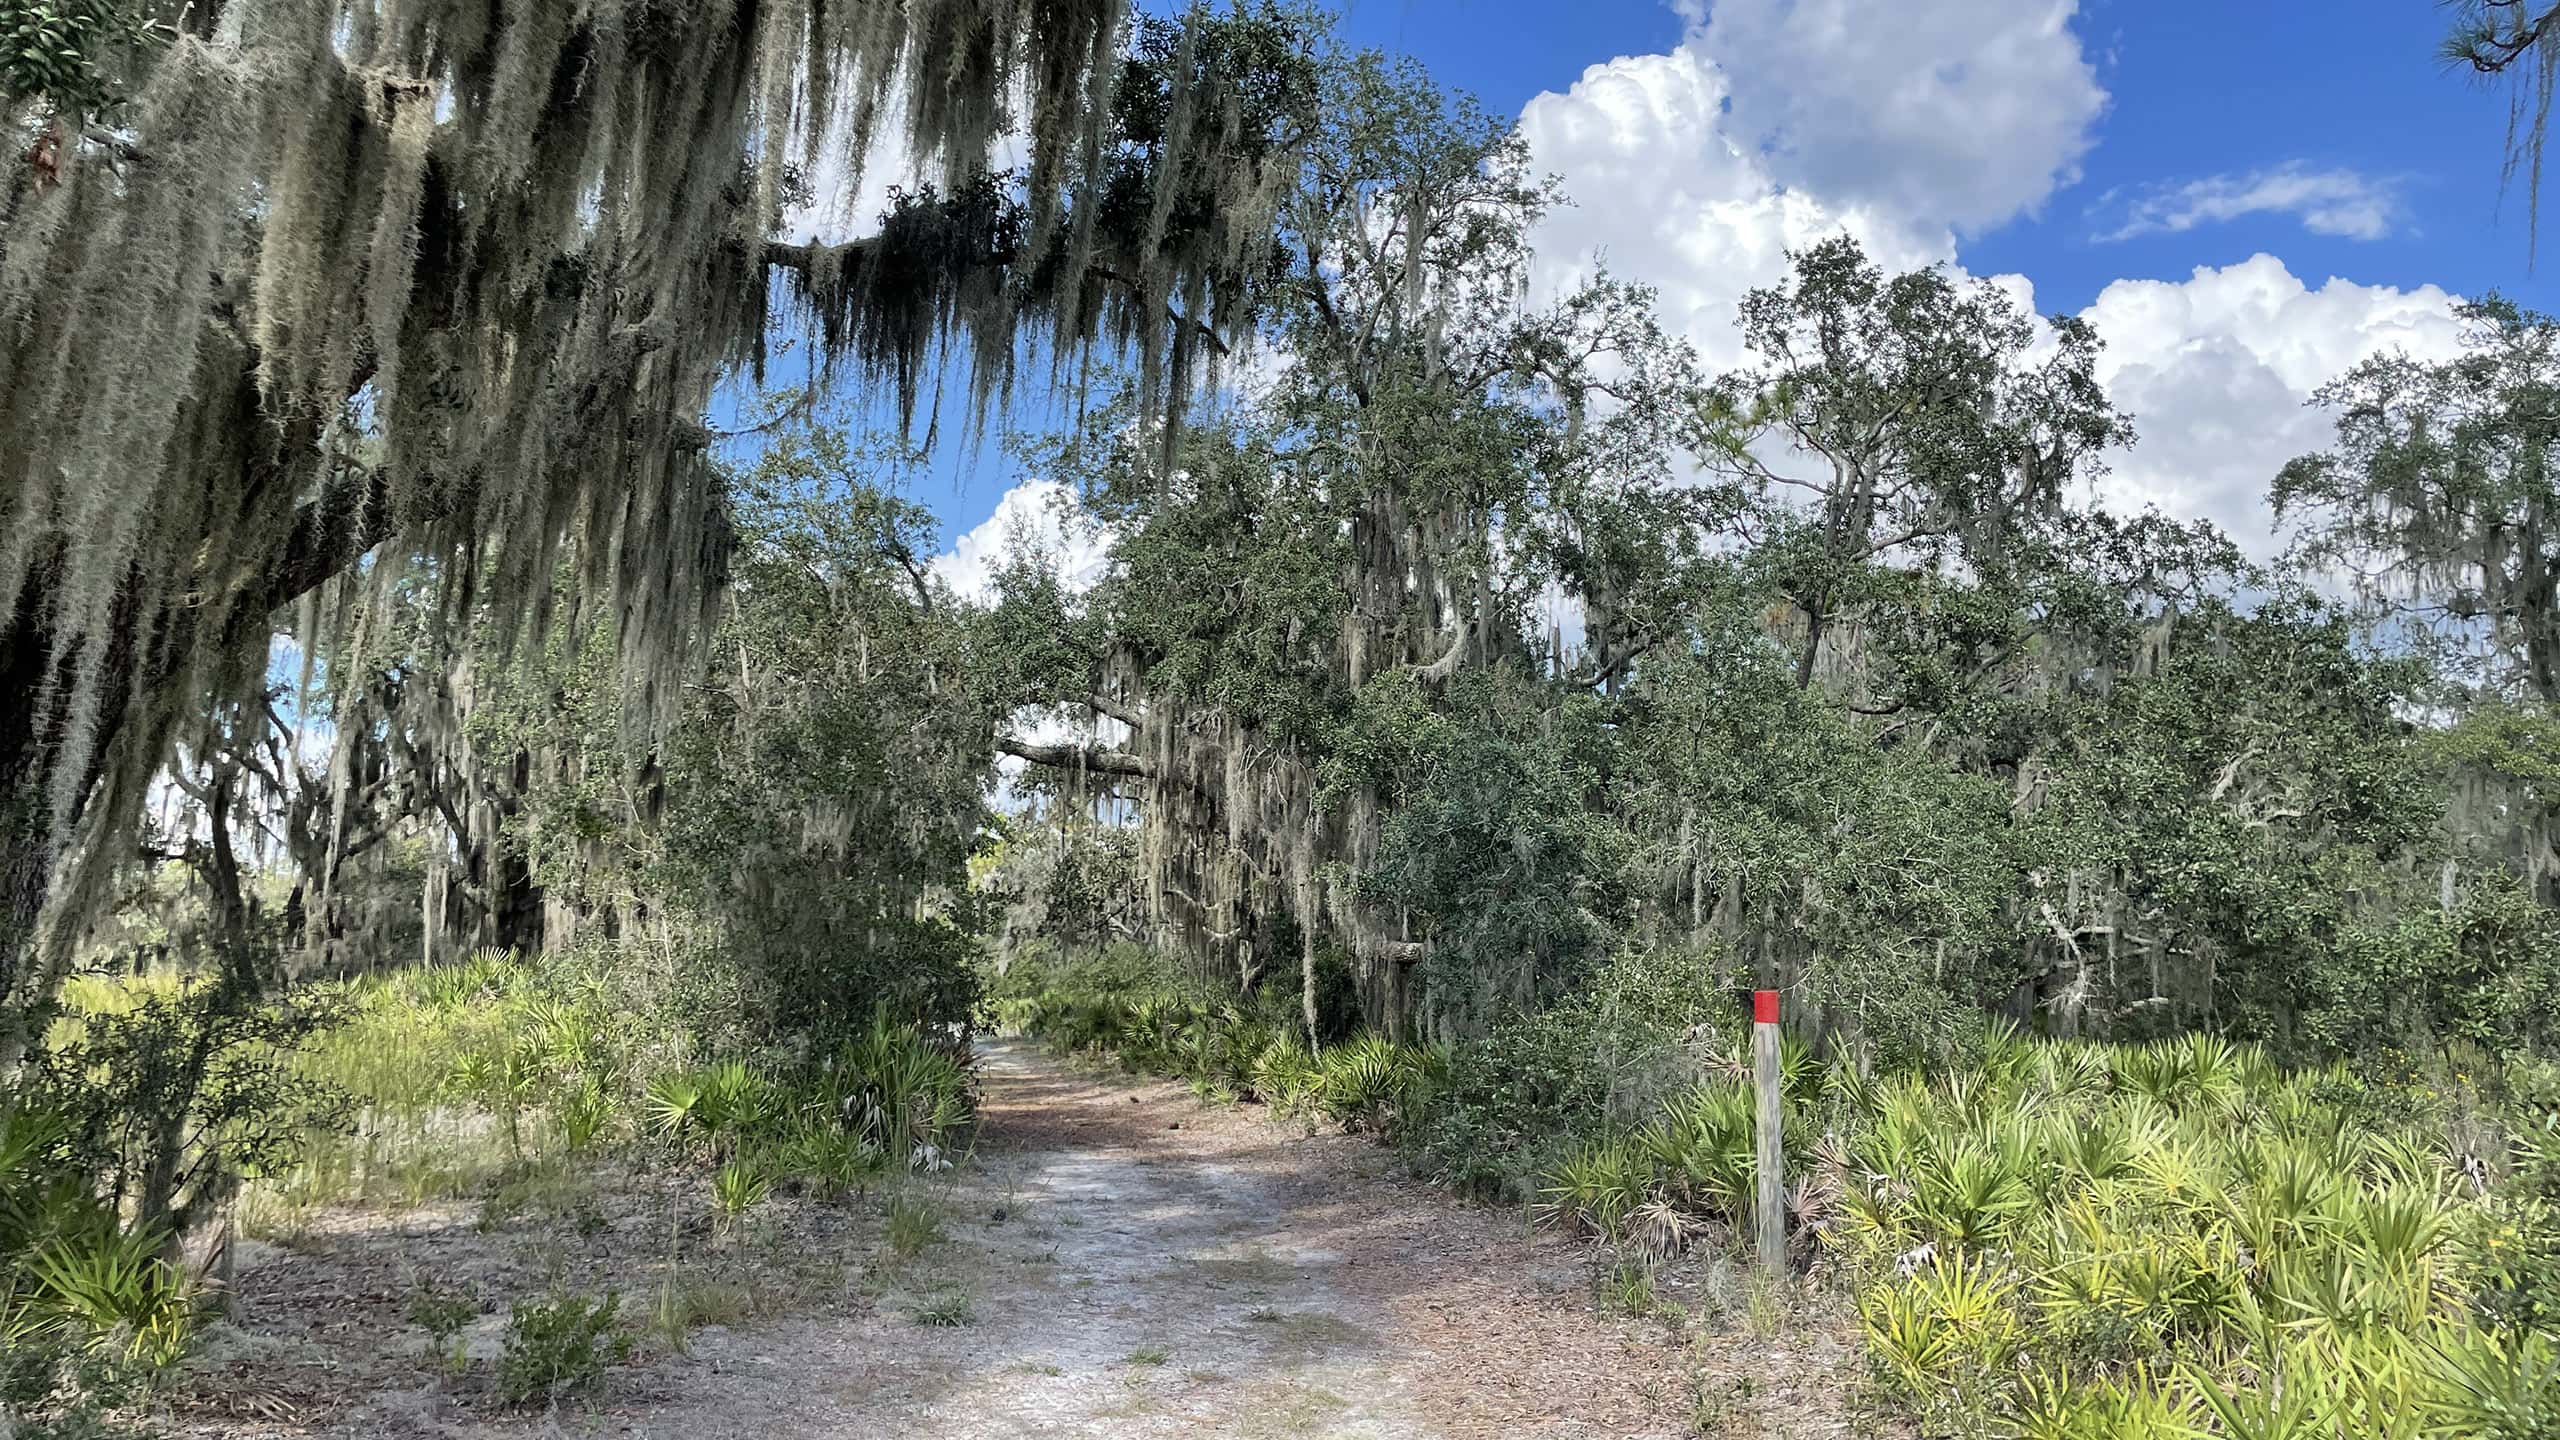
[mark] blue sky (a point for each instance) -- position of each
(2194, 88)
(2244, 199)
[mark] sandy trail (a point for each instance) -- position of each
(1137, 1264)
(1165, 1269)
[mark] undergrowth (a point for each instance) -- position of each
(2061, 1239)
(1124, 1007)
(2043, 1239)
(496, 1078)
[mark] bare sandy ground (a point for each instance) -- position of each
(1122, 1261)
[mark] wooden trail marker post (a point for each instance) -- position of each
(1769, 1214)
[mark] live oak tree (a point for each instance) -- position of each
(301, 300)
(2441, 497)
(1301, 609)
(2440, 502)
(1896, 421)
(825, 787)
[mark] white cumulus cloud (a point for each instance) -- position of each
(1777, 123)
(1955, 113)
(1034, 518)
(1663, 194)
(2218, 369)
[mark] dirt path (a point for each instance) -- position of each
(1164, 1269)
(1125, 1262)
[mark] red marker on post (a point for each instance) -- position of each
(1770, 1214)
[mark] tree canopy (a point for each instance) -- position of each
(304, 302)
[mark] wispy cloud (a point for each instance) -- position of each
(2327, 202)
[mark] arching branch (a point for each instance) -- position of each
(1098, 758)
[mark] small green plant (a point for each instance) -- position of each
(950, 1308)
(1715, 1409)
(56, 1389)
(117, 1285)
(559, 1345)
(834, 1163)
(1629, 1288)
(738, 1188)
(674, 1105)
(689, 1303)
(899, 1094)
(671, 1320)
(1363, 1080)
(709, 1301)
(1765, 1305)
(504, 1083)
(443, 1314)
(1147, 1355)
(584, 1115)
(1598, 1187)
(738, 1101)
(914, 1226)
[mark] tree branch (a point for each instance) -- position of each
(1610, 667)
(1403, 952)
(1101, 758)
(1102, 704)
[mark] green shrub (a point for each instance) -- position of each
(1365, 1080)
(53, 1388)
(585, 1112)
(1511, 1105)
(2485, 972)
(674, 1103)
(443, 1314)
(116, 1286)
(2514, 1237)
(91, 1313)
(898, 1093)
(830, 1161)
(2176, 1238)
(559, 1345)
(807, 991)
(1286, 1075)
(169, 1094)
(1597, 1187)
